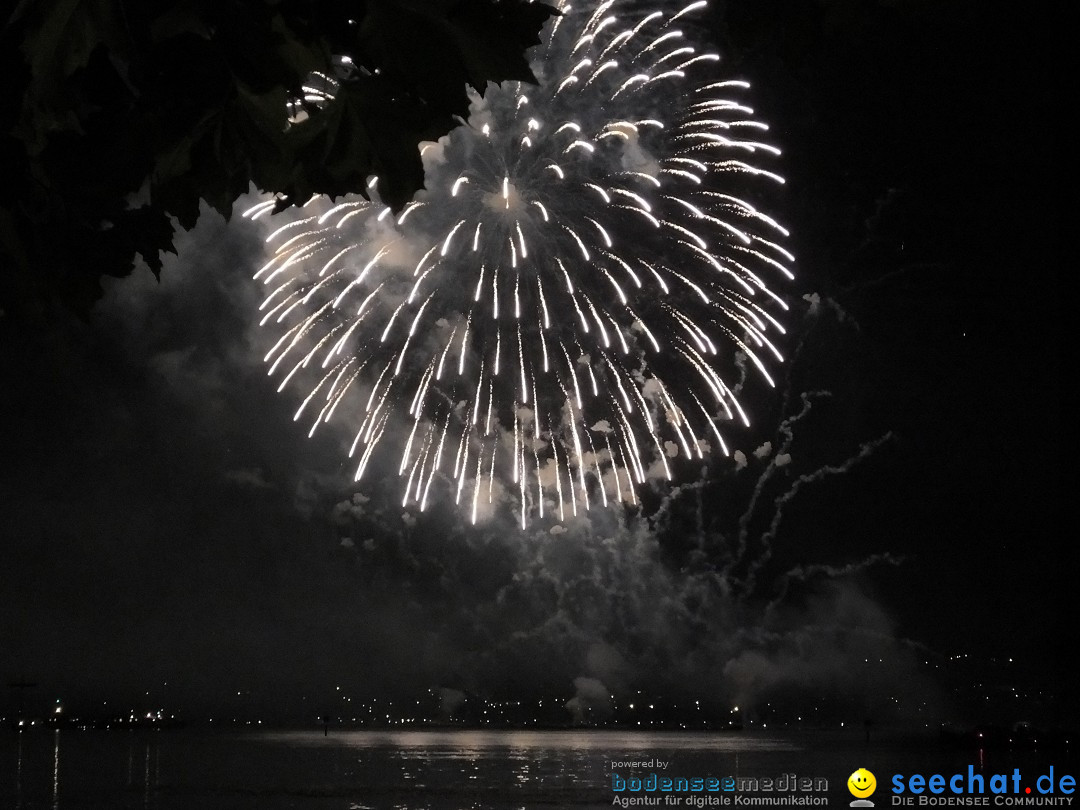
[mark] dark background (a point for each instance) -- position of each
(923, 157)
(162, 520)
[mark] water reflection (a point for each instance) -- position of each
(473, 745)
(147, 751)
(18, 771)
(444, 769)
(413, 770)
(59, 769)
(56, 770)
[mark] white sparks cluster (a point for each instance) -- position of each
(562, 306)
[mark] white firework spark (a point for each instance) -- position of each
(562, 305)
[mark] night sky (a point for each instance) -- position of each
(163, 520)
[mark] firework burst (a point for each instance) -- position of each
(563, 307)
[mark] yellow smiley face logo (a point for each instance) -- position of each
(861, 783)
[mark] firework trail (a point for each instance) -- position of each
(563, 306)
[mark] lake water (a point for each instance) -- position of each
(430, 770)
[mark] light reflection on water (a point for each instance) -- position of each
(56, 770)
(456, 744)
(413, 770)
(18, 772)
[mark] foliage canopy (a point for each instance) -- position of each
(119, 117)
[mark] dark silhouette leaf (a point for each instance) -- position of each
(186, 101)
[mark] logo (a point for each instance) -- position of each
(959, 789)
(862, 784)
